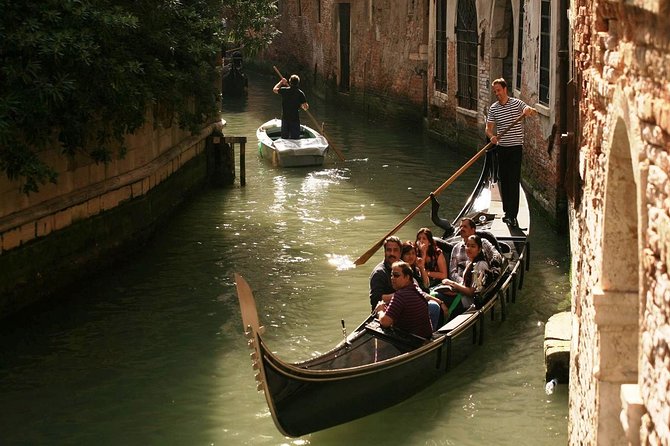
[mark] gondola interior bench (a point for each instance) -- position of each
(403, 340)
(456, 326)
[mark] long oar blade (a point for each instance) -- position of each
(330, 142)
(365, 257)
(370, 252)
(316, 123)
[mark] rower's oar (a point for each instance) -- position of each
(316, 123)
(330, 142)
(365, 257)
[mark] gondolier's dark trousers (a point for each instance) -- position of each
(290, 129)
(509, 176)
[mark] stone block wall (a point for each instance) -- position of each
(620, 370)
(46, 236)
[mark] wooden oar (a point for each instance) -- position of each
(316, 123)
(365, 257)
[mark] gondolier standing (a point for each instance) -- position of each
(293, 99)
(502, 114)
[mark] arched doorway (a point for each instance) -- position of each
(616, 299)
(620, 245)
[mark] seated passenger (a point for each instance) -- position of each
(409, 306)
(476, 277)
(408, 255)
(381, 288)
(433, 257)
(459, 257)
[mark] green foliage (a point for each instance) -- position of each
(86, 71)
(251, 22)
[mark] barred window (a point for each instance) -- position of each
(466, 54)
(441, 46)
(519, 45)
(545, 45)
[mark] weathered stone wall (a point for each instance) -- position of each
(46, 237)
(620, 231)
(541, 166)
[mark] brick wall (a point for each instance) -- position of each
(622, 61)
(388, 52)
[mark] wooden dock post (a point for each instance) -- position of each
(221, 159)
(242, 141)
(243, 163)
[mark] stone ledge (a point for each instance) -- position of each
(557, 339)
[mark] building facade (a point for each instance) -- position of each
(433, 61)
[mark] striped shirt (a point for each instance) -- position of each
(409, 310)
(503, 116)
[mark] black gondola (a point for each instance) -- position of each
(375, 368)
(234, 83)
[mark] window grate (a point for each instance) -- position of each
(466, 54)
(545, 46)
(441, 46)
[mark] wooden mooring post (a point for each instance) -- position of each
(221, 159)
(242, 141)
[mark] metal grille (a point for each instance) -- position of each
(466, 53)
(545, 45)
(441, 46)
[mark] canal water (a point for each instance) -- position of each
(152, 352)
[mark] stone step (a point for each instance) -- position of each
(557, 336)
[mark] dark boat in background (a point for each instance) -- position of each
(235, 83)
(374, 367)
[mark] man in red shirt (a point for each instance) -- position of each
(408, 309)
